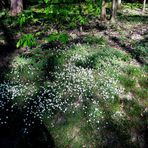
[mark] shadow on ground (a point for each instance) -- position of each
(13, 132)
(129, 49)
(7, 49)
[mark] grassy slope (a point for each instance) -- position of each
(107, 92)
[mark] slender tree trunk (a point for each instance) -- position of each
(80, 12)
(114, 10)
(118, 4)
(103, 11)
(16, 7)
(144, 3)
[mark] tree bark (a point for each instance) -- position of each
(114, 10)
(118, 4)
(103, 11)
(16, 7)
(144, 3)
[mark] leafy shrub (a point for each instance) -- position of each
(61, 37)
(26, 40)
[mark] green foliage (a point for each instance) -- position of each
(26, 40)
(141, 50)
(76, 101)
(25, 17)
(22, 19)
(141, 93)
(133, 71)
(133, 5)
(81, 20)
(95, 40)
(29, 68)
(103, 57)
(2, 14)
(92, 8)
(133, 108)
(127, 82)
(80, 92)
(60, 37)
(46, 1)
(72, 14)
(143, 81)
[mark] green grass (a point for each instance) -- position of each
(94, 40)
(132, 71)
(73, 133)
(100, 73)
(141, 93)
(133, 5)
(127, 82)
(87, 85)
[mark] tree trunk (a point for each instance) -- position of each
(114, 10)
(103, 11)
(144, 3)
(16, 7)
(118, 4)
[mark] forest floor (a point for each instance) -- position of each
(90, 92)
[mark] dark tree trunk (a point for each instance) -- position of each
(16, 7)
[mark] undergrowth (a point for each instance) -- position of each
(78, 92)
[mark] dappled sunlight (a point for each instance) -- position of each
(68, 79)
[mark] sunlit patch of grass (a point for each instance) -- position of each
(71, 133)
(141, 93)
(127, 82)
(103, 57)
(132, 71)
(84, 93)
(132, 5)
(76, 90)
(20, 61)
(28, 68)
